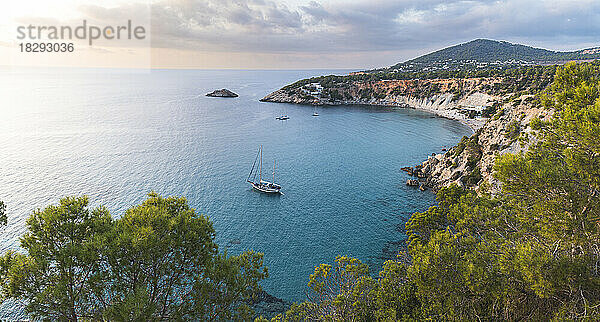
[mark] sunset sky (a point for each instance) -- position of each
(295, 34)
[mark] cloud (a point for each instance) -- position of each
(367, 25)
(399, 28)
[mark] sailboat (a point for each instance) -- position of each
(315, 112)
(262, 185)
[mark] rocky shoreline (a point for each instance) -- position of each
(268, 306)
(470, 163)
(506, 129)
(444, 103)
(222, 93)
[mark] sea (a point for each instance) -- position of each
(116, 135)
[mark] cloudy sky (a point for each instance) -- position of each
(288, 34)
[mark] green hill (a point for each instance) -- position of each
(485, 53)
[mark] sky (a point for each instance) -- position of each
(297, 34)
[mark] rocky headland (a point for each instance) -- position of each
(500, 120)
(471, 162)
(438, 96)
(222, 93)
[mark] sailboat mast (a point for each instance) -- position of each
(273, 171)
(260, 175)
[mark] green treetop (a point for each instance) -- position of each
(528, 253)
(158, 261)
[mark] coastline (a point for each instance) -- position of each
(473, 124)
(467, 109)
(470, 162)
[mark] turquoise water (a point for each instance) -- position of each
(116, 136)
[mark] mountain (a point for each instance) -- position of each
(485, 53)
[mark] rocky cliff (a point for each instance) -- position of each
(500, 121)
(465, 100)
(471, 162)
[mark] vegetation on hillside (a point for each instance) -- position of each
(485, 53)
(528, 253)
(158, 261)
(515, 81)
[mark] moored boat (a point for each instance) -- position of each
(262, 185)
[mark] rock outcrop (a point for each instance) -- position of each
(459, 99)
(500, 122)
(412, 182)
(471, 162)
(222, 93)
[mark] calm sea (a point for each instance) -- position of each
(116, 135)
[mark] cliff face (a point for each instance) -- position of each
(459, 99)
(500, 122)
(471, 162)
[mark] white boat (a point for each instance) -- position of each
(315, 112)
(283, 116)
(262, 185)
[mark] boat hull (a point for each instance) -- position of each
(264, 188)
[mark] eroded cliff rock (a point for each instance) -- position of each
(460, 99)
(500, 122)
(471, 162)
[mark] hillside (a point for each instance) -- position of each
(492, 86)
(485, 53)
(498, 108)
(523, 247)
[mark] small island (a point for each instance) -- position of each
(222, 93)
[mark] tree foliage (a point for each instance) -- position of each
(346, 291)
(480, 51)
(530, 252)
(158, 261)
(58, 276)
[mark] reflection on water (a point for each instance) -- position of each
(116, 137)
